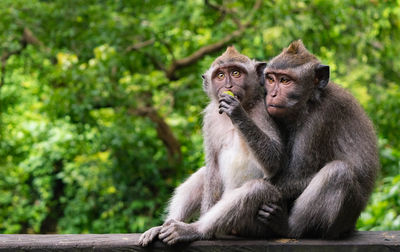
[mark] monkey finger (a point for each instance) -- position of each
(165, 233)
(173, 235)
(148, 236)
(233, 99)
(223, 103)
(227, 99)
(223, 106)
(221, 111)
(224, 110)
(144, 241)
(268, 208)
(172, 241)
(276, 207)
(263, 214)
(169, 238)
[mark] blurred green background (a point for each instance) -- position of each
(101, 101)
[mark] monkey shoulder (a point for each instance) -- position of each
(343, 126)
(337, 111)
(341, 103)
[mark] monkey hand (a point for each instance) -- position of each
(231, 106)
(176, 231)
(274, 216)
(147, 237)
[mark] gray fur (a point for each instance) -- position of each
(332, 166)
(332, 159)
(230, 197)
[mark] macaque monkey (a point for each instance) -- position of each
(243, 152)
(330, 146)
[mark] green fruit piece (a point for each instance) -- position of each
(229, 93)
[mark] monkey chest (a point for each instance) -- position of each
(236, 163)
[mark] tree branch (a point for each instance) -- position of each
(136, 47)
(200, 53)
(140, 45)
(164, 132)
(177, 64)
(223, 10)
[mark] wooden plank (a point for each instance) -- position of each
(360, 241)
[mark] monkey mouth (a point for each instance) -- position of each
(276, 110)
(275, 106)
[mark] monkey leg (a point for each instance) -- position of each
(330, 204)
(185, 201)
(235, 213)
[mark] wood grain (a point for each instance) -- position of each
(360, 241)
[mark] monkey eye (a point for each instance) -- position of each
(270, 80)
(221, 75)
(235, 73)
(285, 81)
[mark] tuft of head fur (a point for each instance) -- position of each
(230, 55)
(295, 55)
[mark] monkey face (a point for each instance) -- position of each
(289, 89)
(278, 86)
(293, 78)
(229, 78)
(285, 92)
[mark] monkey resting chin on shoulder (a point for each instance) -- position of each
(330, 145)
(243, 150)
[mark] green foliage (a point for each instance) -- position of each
(383, 212)
(95, 133)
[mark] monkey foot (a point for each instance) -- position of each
(174, 231)
(147, 237)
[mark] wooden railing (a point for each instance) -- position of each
(361, 241)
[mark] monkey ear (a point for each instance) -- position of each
(322, 74)
(260, 66)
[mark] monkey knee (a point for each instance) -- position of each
(262, 191)
(338, 173)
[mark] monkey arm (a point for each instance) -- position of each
(264, 143)
(266, 149)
